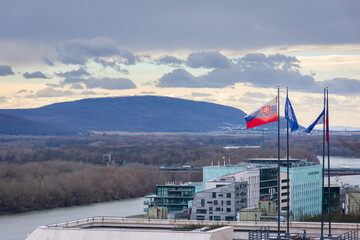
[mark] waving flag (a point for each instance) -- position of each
(290, 115)
(267, 113)
(320, 120)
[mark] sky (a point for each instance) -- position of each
(233, 53)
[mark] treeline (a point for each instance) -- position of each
(157, 150)
(335, 217)
(42, 185)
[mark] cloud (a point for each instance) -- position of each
(110, 83)
(342, 86)
(88, 93)
(257, 70)
(178, 78)
(111, 64)
(77, 86)
(255, 95)
(148, 92)
(36, 74)
(196, 94)
(105, 83)
(207, 60)
(5, 70)
(74, 73)
(175, 25)
(80, 51)
(50, 92)
(48, 62)
(169, 60)
(22, 91)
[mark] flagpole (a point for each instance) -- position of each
(322, 185)
(287, 169)
(328, 151)
(278, 170)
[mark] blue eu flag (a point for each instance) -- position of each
(290, 116)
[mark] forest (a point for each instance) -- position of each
(49, 172)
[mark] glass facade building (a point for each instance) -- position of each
(305, 190)
(305, 184)
(174, 197)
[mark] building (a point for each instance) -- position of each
(335, 204)
(157, 213)
(175, 197)
(304, 183)
(111, 228)
(251, 176)
(221, 203)
(261, 178)
(354, 200)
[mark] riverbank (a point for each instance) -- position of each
(17, 226)
(46, 185)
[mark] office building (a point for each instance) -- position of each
(174, 197)
(221, 203)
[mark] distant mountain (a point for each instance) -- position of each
(344, 128)
(12, 125)
(136, 114)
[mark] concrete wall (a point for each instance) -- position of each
(45, 233)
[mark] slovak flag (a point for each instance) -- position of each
(266, 114)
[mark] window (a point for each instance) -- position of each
(221, 195)
(200, 218)
(228, 209)
(203, 202)
(210, 218)
(228, 195)
(217, 209)
(210, 209)
(215, 202)
(214, 195)
(228, 218)
(217, 218)
(228, 203)
(203, 211)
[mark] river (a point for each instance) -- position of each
(337, 162)
(17, 226)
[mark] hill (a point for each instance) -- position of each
(12, 125)
(135, 114)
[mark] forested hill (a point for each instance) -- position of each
(135, 114)
(12, 125)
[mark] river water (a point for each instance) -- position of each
(338, 162)
(18, 226)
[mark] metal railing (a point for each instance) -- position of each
(351, 235)
(262, 233)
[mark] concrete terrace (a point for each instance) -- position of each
(125, 228)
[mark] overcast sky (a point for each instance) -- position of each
(228, 52)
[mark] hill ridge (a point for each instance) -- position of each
(134, 114)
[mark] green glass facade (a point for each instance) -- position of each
(174, 197)
(305, 190)
(305, 184)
